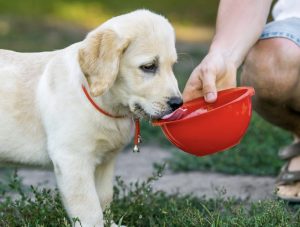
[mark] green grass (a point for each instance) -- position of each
(138, 205)
(23, 206)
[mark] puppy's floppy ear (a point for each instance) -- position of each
(99, 59)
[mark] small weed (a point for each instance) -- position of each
(30, 206)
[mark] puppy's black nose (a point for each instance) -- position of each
(175, 102)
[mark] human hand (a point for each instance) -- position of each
(215, 72)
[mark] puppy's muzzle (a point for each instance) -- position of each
(175, 102)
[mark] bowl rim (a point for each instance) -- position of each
(249, 92)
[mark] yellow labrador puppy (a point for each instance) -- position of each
(46, 118)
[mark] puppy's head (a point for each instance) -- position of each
(131, 57)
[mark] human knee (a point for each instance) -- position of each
(272, 68)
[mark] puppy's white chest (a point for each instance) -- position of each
(112, 139)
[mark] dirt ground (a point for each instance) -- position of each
(138, 166)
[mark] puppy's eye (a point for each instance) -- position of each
(149, 68)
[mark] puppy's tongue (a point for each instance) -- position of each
(177, 114)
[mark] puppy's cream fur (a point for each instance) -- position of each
(45, 118)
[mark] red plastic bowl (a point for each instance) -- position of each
(201, 128)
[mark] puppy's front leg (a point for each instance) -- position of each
(104, 181)
(75, 179)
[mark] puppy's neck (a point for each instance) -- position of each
(110, 103)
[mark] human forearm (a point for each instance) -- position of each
(239, 24)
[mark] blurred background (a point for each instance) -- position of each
(55, 23)
(43, 25)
